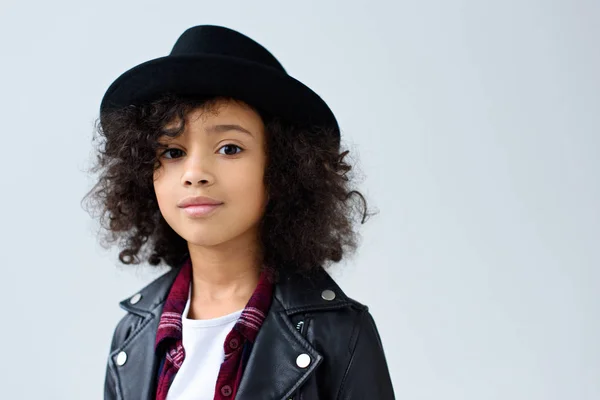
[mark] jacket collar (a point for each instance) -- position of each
(274, 353)
(295, 293)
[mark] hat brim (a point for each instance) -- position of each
(260, 86)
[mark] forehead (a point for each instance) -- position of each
(220, 112)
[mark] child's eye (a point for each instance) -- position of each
(230, 146)
(230, 151)
(168, 151)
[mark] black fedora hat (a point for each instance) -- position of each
(211, 60)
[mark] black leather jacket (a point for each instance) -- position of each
(311, 317)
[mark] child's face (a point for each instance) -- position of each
(206, 162)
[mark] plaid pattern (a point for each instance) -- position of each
(237, 346)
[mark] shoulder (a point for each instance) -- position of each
(343, 331)
(147, 299)
(145, 302)
(325, 308)
(318, 291)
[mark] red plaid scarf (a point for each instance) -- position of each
(237, 344)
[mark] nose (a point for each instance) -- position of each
(198, 171)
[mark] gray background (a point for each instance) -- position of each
(476, 126)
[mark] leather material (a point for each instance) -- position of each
(347, 359)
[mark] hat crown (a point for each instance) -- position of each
(215, 40)
(209, 60)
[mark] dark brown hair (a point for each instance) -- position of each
(308, 222)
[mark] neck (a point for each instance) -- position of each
(224, 275)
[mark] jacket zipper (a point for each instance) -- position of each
(299, 327)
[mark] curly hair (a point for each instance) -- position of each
(309, 218)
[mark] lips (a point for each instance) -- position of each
(193, 201)
(200, 210)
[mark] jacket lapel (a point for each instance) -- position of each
(136, 378)
(272, 372)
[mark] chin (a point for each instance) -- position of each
(209, 236)
(203, 239)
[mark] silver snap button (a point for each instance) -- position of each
(135, 298)
(303, 360)
(121, 358)
(328, 295)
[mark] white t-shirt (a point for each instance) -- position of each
(203, 341)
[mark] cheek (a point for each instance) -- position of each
(163, 193)
(248, 190)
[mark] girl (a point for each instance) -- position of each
(218, 163)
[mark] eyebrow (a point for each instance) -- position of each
(226, 128)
